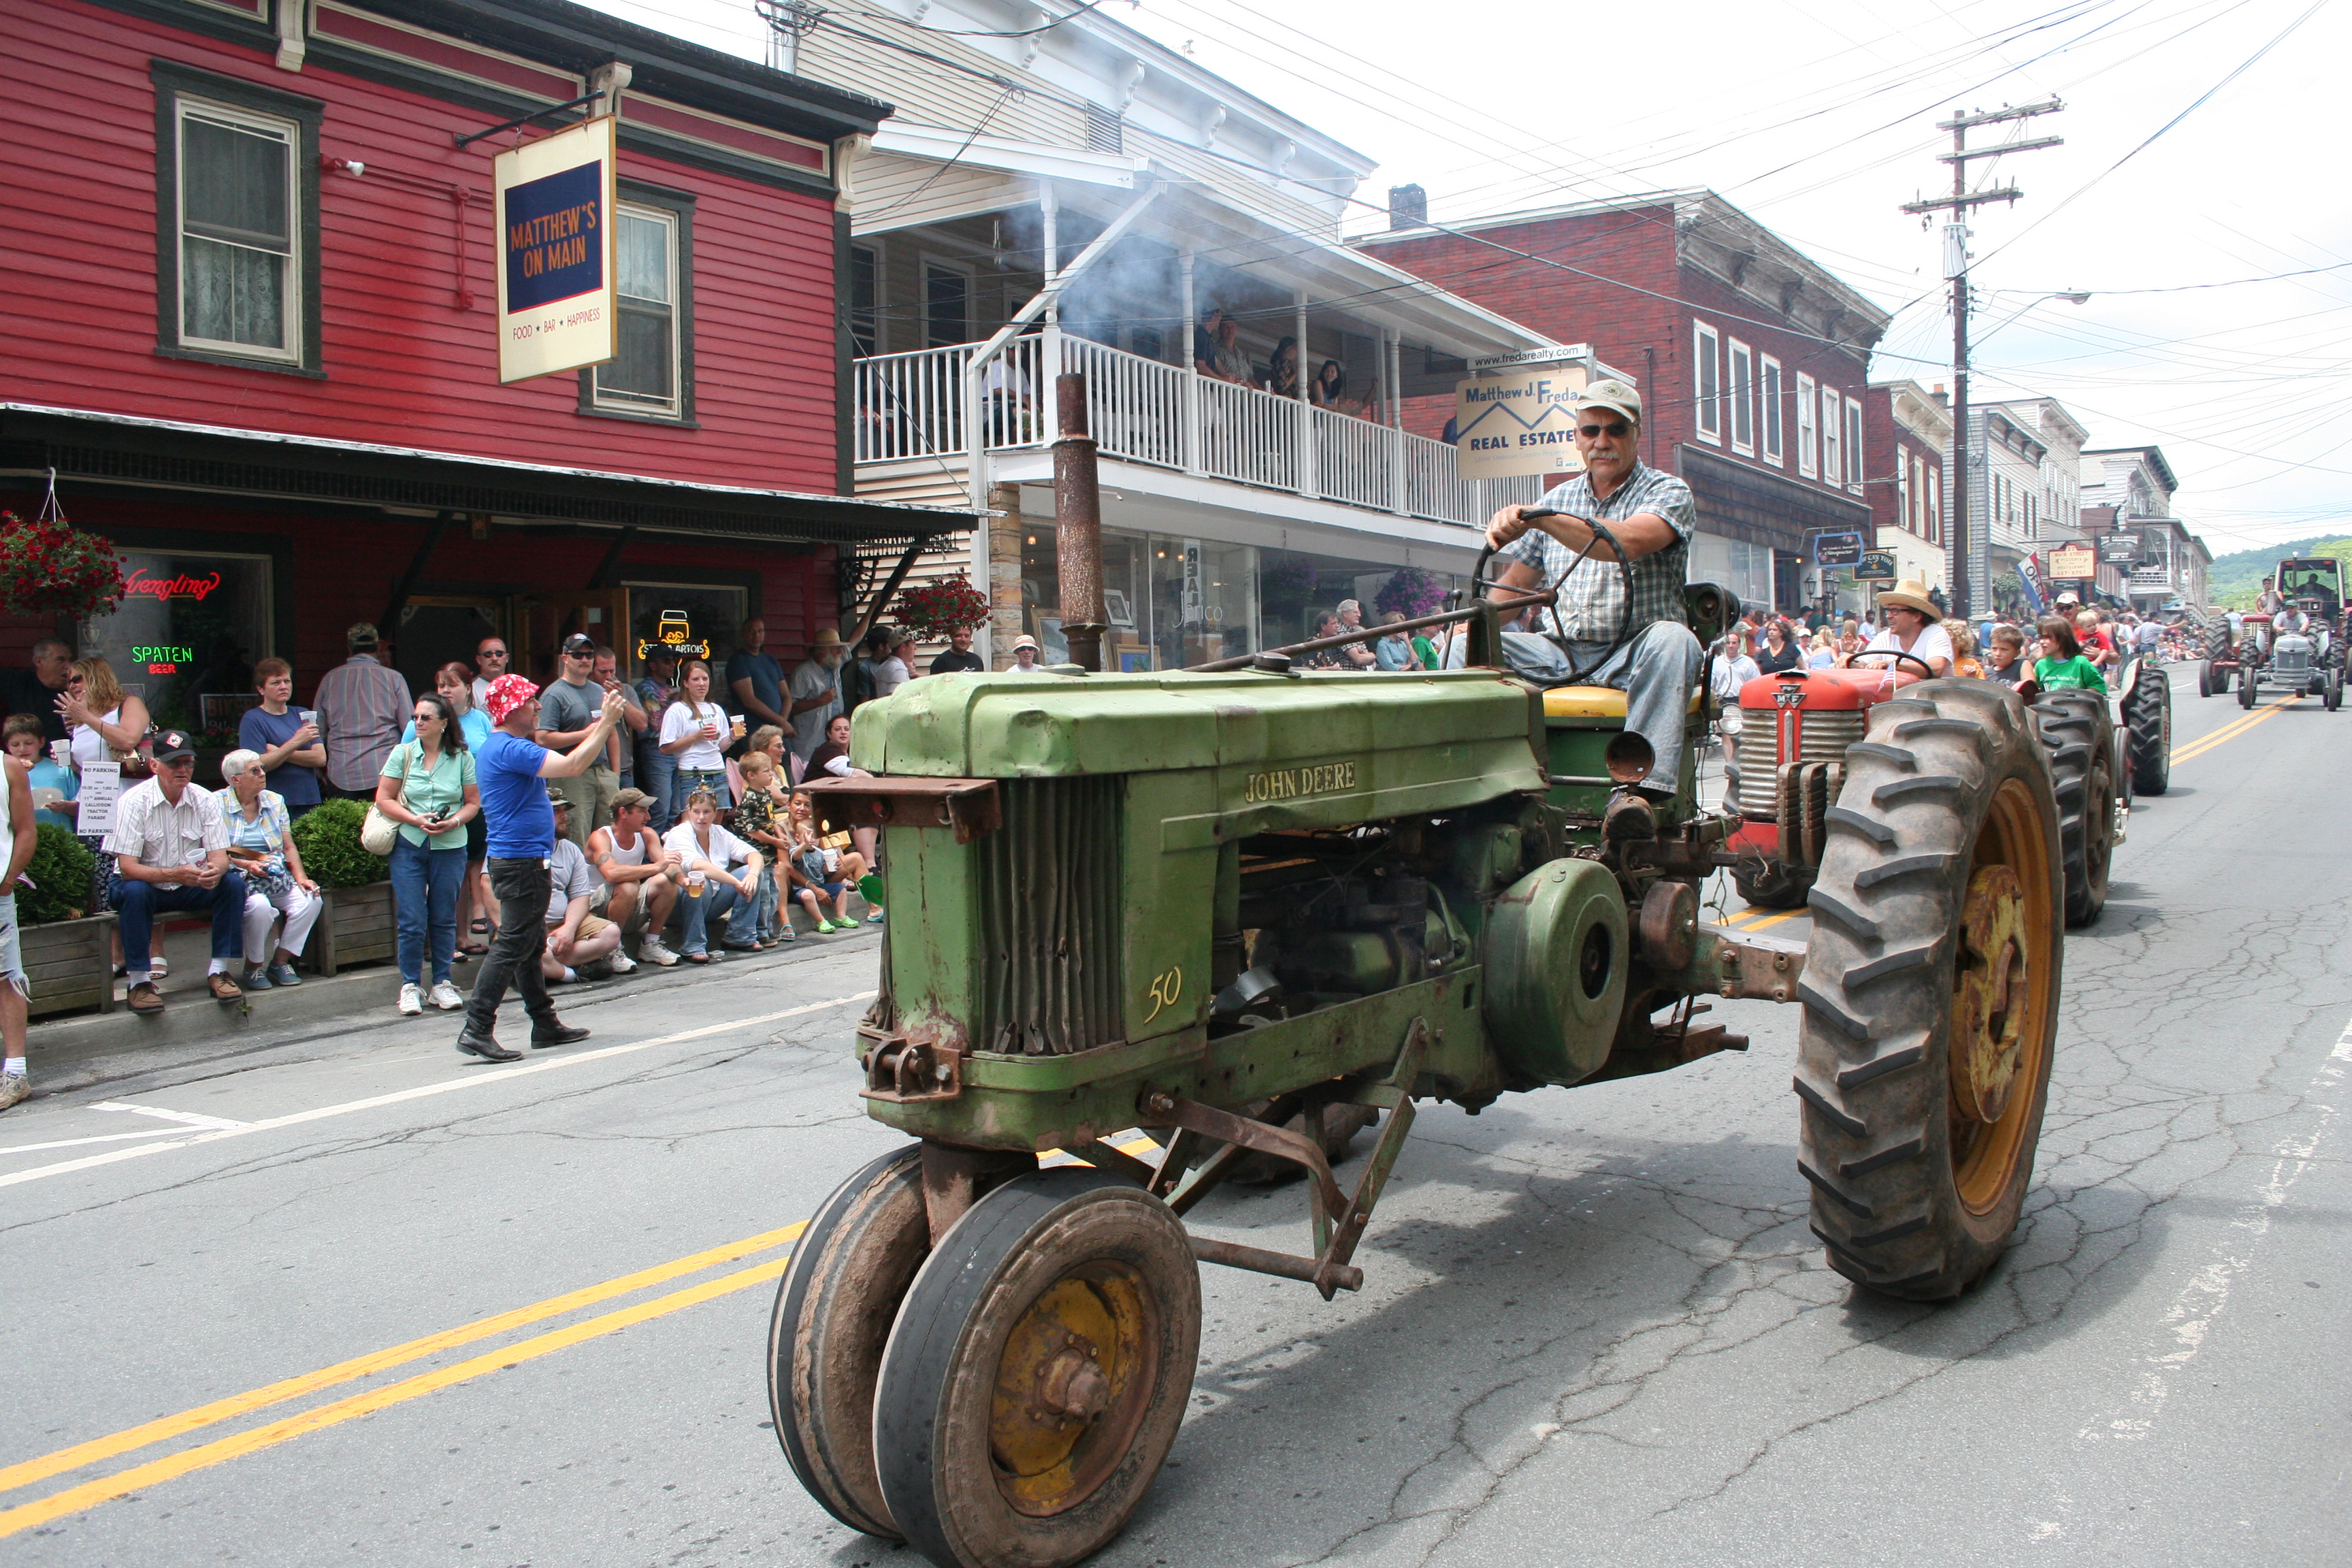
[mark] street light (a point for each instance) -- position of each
(2082, 298)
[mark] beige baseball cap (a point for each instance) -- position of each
(1614, 395)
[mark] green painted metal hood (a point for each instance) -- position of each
(1054, 726)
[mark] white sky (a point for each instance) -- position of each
(1819, 120)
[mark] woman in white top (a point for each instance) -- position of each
(105, 726)
(696, 731)
(710, 883)
(899, 668)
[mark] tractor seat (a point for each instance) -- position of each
(1592, 702)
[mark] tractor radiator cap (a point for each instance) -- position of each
(1271, 664)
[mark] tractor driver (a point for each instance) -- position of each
(1644, 649)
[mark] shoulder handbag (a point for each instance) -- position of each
(379, 832)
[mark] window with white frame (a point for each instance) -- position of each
(1853, 447)
(1806, 442)
(1771, 382)
(649, 373)
(237, 205)
(1743, 397)
(1706, 368)
(1832, 438)
(1902, 517)
(1935, 505)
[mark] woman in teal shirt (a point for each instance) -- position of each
(2062, 667)
(427, 788)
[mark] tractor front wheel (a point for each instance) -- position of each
(2333, 696)
(1038, 1372)
(1930, 991)
(2147, 714)
(2248, 686)
(849, 1271)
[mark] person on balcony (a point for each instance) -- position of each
(1620, 619)
(1329, 390)
(1282, 373)
(1219, 337)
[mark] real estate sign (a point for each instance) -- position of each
(554, 204)
(1519, 421)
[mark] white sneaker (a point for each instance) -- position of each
(651, 951)
(447, 997)
(622, 962)
(412, 1002)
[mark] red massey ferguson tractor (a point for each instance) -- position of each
(1798, 727)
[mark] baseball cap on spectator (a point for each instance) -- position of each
(361, 636)
(174, 744)
(580, 645)
(506, 694)
(1024, 641)
(1614, 395)
(630, 799)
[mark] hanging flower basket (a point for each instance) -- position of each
(1412, 592)
(50, 570)
(946, 604)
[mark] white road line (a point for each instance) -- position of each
(190, 1117)
(446, 1086)
(2188, 1324)
(101, 1138)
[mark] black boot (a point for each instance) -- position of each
(478, 1043)
(555, 1033)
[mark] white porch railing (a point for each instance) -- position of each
(912, 405)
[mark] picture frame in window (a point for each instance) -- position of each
(237, 106)
(1116, 611)
(675, 211)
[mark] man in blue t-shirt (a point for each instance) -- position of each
(755, 677)
(286, 738)
(508, 768)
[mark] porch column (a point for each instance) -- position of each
(1391, 366)
(1306, 466)
(1188, 389)
(1049, 209)
(1002, 586)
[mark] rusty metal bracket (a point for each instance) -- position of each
(970, 806)
(906, 1071)
(1240, 1133)
(1755, 967)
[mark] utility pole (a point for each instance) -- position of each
(1956, 267)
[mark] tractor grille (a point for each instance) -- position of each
(1049, 912)
(1825, 733)
(2289, 662)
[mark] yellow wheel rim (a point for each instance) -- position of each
(1071, 1386)
(2003, 996)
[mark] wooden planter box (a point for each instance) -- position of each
(357, 927)
(71, 964)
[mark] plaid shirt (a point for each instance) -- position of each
(1592, 597)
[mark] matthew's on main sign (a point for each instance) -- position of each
(555, 252)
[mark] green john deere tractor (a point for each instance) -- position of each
(1231, 908)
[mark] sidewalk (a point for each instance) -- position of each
(96, 1048)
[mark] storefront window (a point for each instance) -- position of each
(1126, 608)
(186, 634)
(711, 614)
(1204, 601)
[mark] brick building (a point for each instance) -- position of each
(1753, 359)
(1905, 431)
(250, 325)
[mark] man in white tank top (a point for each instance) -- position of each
(634, 890)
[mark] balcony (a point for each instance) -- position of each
(912, 407)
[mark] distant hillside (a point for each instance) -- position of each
(2232, 579)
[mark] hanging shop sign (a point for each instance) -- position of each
(554, 199)
(1518, 422)
(1837, 549)
(2118, 549)
(2074, 563)
(1875, 566)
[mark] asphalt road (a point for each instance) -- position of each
(399, 1311)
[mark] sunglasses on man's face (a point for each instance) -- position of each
(1593, 432)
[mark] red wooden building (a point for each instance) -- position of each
(250, 324)
(1751, 358)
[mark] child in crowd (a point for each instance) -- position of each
(54, 786)
(817, 873)
(756, 824)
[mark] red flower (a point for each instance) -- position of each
(51, 569)
(946, 605)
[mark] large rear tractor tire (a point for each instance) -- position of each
(2081, 743)
(2148, 714)
(1930, 991)
(833, 1310)
(1038, 1372)
(1772, 884)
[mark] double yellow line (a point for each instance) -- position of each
(1741, 922)
(88, 1494)
(2235, 728)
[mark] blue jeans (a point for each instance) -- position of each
(769, 902)
(1656, 671)
(425, 905)
(717, 899)
(140, 902)
(691, 779)
(657, 776)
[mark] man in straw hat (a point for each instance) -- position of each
(1913, 628)
(1639, 642)
(816, 693)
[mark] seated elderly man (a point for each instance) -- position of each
(1596, 635)
(1913, 628)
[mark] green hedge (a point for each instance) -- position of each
(60, 869)
(328, 840)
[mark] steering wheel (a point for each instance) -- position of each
(1926, 669)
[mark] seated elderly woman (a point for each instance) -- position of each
(261, 845)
